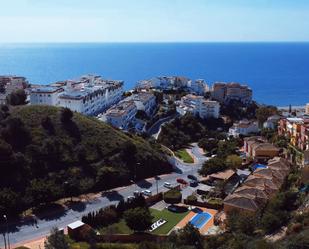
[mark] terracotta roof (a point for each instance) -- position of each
(223, 175)
(243, 202)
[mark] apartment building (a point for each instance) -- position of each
(89, 95)
(198, 106)
(122, 115)
(297, 130)
(199, 87)
(145, 101)
(225, 92)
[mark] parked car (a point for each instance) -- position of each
(136, 193)
(181, 181)
(167, 185)
(192, 177)
(146, 192)
(193, 183)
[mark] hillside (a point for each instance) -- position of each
(46, 154)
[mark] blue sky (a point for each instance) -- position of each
(153, 20)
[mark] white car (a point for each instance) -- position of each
(146, 192)
(167, 185)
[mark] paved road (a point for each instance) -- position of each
(25, 231)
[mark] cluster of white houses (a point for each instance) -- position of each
(88, 95)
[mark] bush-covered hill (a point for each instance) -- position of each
(47, 153)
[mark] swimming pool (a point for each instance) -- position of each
(259, 166)
(200, 219)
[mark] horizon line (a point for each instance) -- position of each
(143, 42)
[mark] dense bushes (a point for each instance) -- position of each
(48, 153)
(111, 214)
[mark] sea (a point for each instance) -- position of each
(278, 73)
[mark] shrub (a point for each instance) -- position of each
(172, 196)
(191, 198)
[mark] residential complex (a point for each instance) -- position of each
(89, 95)
(199, 106)
(199, 86)
(225, 92)
(296, 130)
(244, 128)
(165, 83)
(259, 187)
(123, 114)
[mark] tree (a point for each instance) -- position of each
(190, 235)
(56, 240)
(263, 112)
(17, 97)
(66, 115)
(172, 196)
(241, 222)
(48, 125)
(212, 166)
(233, 161)
(138, 219)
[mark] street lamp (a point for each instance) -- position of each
(7, 231)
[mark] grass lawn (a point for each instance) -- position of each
(171, 218)
(184, 156)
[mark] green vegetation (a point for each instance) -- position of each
(184, 156)
(187, 129)
(56, 240)
(138, 219)
(47, 153)
(119, 227)
(172, 196)
(18, 97)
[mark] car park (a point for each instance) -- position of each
(136, 193)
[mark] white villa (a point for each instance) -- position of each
(243, 127)
(89, 95)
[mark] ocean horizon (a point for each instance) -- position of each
(276, 71)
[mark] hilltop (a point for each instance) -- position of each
(48, 153)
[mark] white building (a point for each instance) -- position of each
(165, 83)
(198, 106)
(9, 84)
(45, 96)
(145, 101)
(199, 87)
(122, 115)
(244, 128)
(271, 122)
(225, 92)
(89, 95)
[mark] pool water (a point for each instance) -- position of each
(259, 166)
(199, 220)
